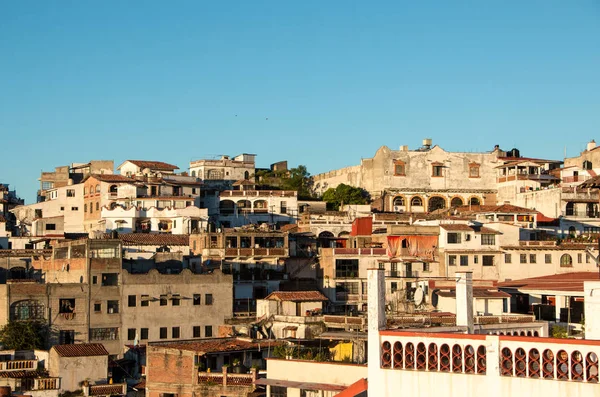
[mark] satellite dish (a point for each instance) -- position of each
(419, 295)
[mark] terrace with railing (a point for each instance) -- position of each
(225, 378)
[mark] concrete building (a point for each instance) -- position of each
(154, 220)
(135, 168)
(242, 207)
(26, 372)
(71, 175)
(224, 171)
(8, 201)
(78, 362)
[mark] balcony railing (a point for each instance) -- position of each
(225, 378)
(18, 365)
(577, 213)
(46, 384)
(255, 252)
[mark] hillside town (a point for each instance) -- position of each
(420, 267)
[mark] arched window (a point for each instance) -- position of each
(194, 174)
(436, 203)
(566, 260)
(97, 188)
(570, 210)
(84, 190)
(416, 202)
(456, 202)
(246, 175)
(474, 201)
(399, 201)
(260, 206)
(113, 189)
(226, 207)
(27, 310)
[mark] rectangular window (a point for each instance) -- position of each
(437, 170)
(587, 259)
(144, 333)
(464, 260)
(532, 258)
(145, 301)
(488, 239)
(131, 301)
(523, 258)
(163, 332)
(50, 226)
(94, 279)
(474, 171)
(393, 287)
(175, 332)
(399, 169)
(74, 208)
(283, 207)
(104, 333)
(548, 258)
(110, 279)
(66, 337)
(452, 260)
(163, 300)
(507, 258)
(579, 258)
(66, 305)
(475, 259)
(112, 307)
(207, 331)
(487, 260)
(196, 331)
(197, 299)
(85, 208)
(70, 192)
(453, 238)
(97, 307)
(278, 391)
(346, 268)
(175, 300)
(131, 334)
(425, 266)
(208, 299)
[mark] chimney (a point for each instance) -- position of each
(591, 307)
(464, 300)
(376, 320)
(591, 145)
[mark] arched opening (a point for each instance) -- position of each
(436, 203)
(18, 273)
(416, 202)
(566, 260)
(474, 201)
(343, 234)
(591, 210)
(456, 202)
(244, 206)
(246, 175)
(399, 201)
(97, 188)
(112, 189)
(570, 210)
(30, 309)
(226, 207)
(194, 174)
(326, 239)
(260, 207)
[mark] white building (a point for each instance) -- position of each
(242, 207)
(154, 220)
(225, 168)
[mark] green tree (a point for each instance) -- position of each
(345, 194)
(24, 335)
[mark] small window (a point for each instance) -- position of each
(399, 168)
(131, 300)
(175, 332)
(464, 260)
(144, 333)
(163, 332)
(473, 170)
(74, 208)
(145, 300)
(452, 260)
(175, 300)
(97, 307)
(453, 238)
(110, 279)
(85, 208)
(437, 170)
(507, 258)
(532, 258)
(112, 307)
(97, 206)
(207, 331)
(197, 298)
(131, 334)
(579, 258)
(393, 287)
(70, 192)
(523, 258)
(62, 208)
(488, 239)
(416, 202)
(548, 258)
(475, 259)
(425, 266)
(163, 300)
(66, 306)
(196, 331)
(487, 260)
(94, 279)
(50, 226)
(208, 299)
(566, 261)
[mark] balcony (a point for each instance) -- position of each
(225, 378)
(345, 322)
(575, 178)
(119, 389)
(46, 384)
(237, 252)
(359, 251)
(18, 365)
(578, 213)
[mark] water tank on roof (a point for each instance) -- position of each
(591, 145)
(514, 153)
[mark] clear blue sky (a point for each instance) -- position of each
(161, 80)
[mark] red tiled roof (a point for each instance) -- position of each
(477, 293)
(154, 165)
(152, 239)
(297, 296)
(288, 227)
(81, 350)
(219, 345)
(556, 282)
(106, 390)
(113, 178)
(355, 389)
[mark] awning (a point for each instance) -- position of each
(300, 385)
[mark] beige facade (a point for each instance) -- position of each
(225, 168)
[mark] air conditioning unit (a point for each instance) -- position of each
(398, 208)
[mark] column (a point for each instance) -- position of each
(377, 322)
(464, 300)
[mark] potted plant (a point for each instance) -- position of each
(238, 368)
